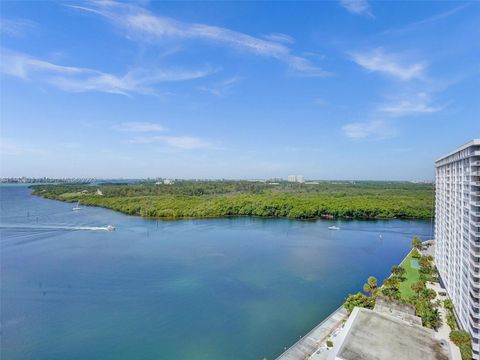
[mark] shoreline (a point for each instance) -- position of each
(172, 218)
(303, 349)
(313, 344)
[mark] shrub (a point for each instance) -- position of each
(459, 337)
(360, 300)
(418, 286)
(466, 351)
(464, 342)
(451, 321)
(416, 254)
(448, 304)
(430, 316)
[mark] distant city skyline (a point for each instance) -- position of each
(237, 90)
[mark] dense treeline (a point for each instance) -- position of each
(242, 198)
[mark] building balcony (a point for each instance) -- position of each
(473, 222)
(474, 323)
(475, 285)
(474, 249)
(474, 303)
(474, 315)
(474, 264)
(475, 347)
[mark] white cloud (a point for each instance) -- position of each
(357, 7)
(420, 104)
(429, 20)
(187, 142)
(375, 129)
(389, 64)
(17, 148)
(16, 27)
(145, 26)
(406, 107)
(279, 37)
(78, 79)
(138, 127)
(179, 142)
(221, 88)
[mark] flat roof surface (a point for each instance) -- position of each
(375, 336)
(464, 146)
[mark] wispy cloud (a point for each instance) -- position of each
(78, 79)
(138, 127)
(429, 20)
(179, 142)
(143, 25)
(375, 129)
(420, 104)
(320, 101)
(17, 148)
(279, 37)
(357, 7)
(17, 27)
(390, 64)
(221, 88)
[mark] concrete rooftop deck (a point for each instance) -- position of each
(369, 335)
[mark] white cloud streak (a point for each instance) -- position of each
(389, 64)
(13, 147)
(221, 88)
(375, 129)
(16, 27)
(146, 26)
(138, 127)
(79, 79)
(417, 105)
(357, 7)
(179, 142)
(279, 37)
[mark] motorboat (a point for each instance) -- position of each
(110, 228)
(333, 228)
(77, 207)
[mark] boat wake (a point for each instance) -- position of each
(55, 227)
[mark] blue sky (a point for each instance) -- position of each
(330, 90)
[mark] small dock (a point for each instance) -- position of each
(309, 343)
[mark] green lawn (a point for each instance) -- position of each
(411, 275)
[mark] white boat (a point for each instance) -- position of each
(333, 228)
(110, 228)
(77, 207)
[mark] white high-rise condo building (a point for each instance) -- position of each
(296, 178)
(457, 233)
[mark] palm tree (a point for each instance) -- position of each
(416, 243)
(418, 286)
(398, 271)
(371, 286)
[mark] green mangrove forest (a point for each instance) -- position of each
(201, 199)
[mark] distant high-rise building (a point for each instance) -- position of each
(296, 178)
(457, 233)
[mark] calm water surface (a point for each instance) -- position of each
(241, 288)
